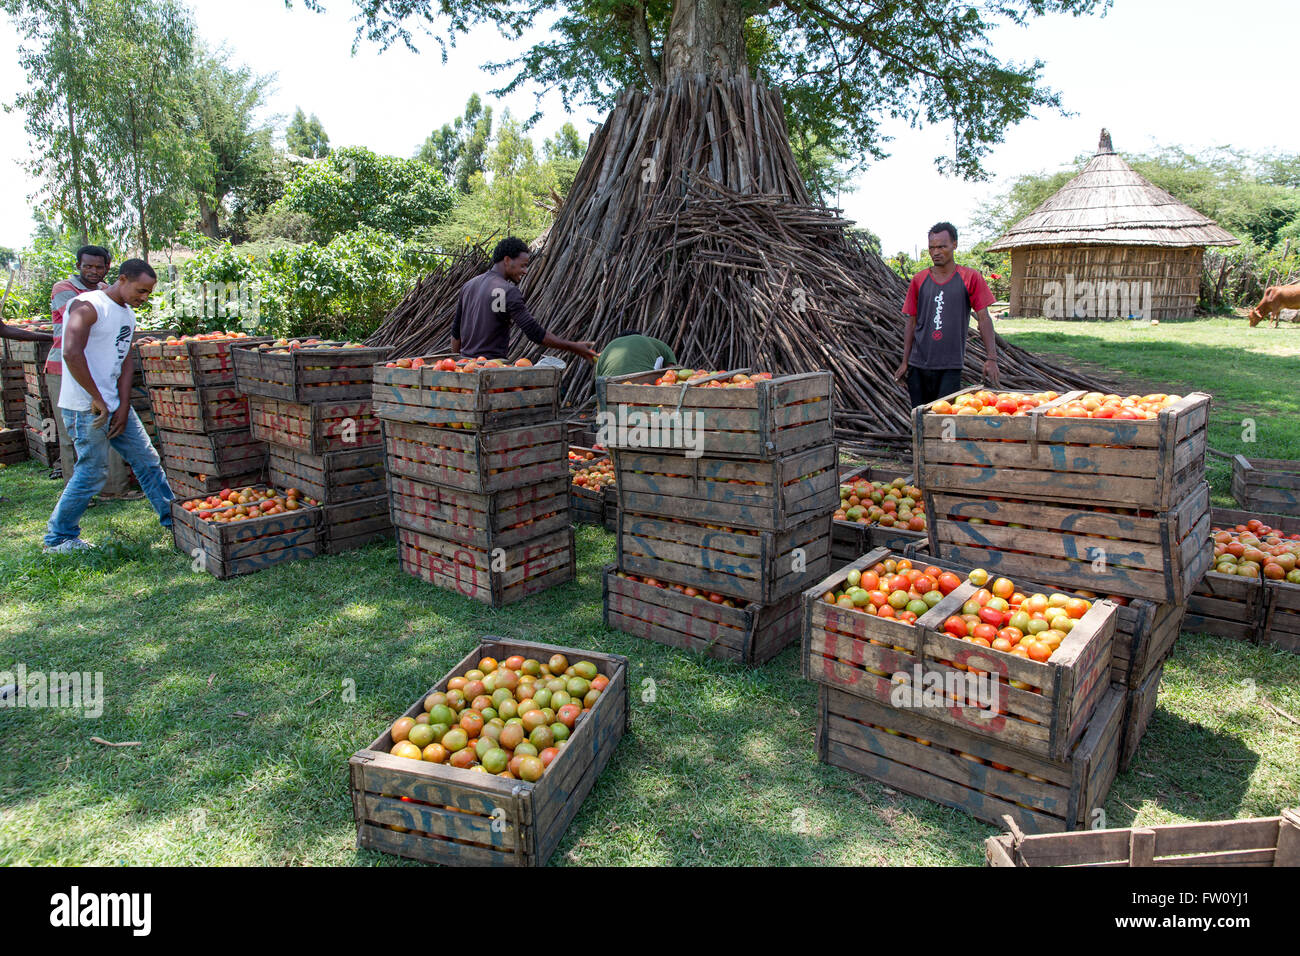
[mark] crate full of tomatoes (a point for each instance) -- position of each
(240, 530)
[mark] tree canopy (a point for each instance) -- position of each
(842, 66)
(306, 137)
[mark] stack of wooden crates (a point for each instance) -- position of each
(13, 407)
(202, 419)
(727, 500)
(1103, 506)
(478, 477)
(312, 408)
(38, 403)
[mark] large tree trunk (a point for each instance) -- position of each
(705, 36)
(139, 187)
(73, 138)
(209, 223)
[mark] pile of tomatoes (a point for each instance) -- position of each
(893, 588)
(988, 403)
(207, 337)
(692, 376)
(710, 596)
(595, 476)
(1254, 549)
(1090, 405)
(1000, 617)
(894, 504)
(510, 718)
(243, 504)
(458, 365)
(284, 346)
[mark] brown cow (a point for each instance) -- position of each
(1276, 298)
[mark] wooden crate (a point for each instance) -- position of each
(850, 540)
(34, 353)
(38, 412)
(202, 410)
(186, 486)
(770, 420)
(1262, 841)
(35, 384)
(908, 751)
(14, 410)
(1153, 465)
(316, 428)
(1145, 635)
(859, 654)
(308, 374)
(460, 817)
(749, 635)
(331, 478)
(1139, 705)
(752, 566)
(1281, 625)
(192, 363)
(46, 452)
(219, 455)
(491, 398)
(588, 505)
(1159, 557)
(355, 524)
(478, 462)
(226, 550)
(530, 567)
(611, 513)
(13, 446)
(1266, 484)
(499, 519)
(774, 494)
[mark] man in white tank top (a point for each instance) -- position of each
(95, 403)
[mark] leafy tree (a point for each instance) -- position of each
(457, 149)
(515, 178)
(841, 65)
(354, 187)
(240, 155)
(307, 137)
(59, 97)
(567, 144)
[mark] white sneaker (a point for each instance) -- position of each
(70, 546)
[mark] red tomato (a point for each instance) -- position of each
(948, 582)
(956, 626)
(994, 617)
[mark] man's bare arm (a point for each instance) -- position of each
(990, 340)
(76, 329)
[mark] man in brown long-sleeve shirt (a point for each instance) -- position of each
(489, 303)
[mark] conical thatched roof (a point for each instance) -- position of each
(1109, 204)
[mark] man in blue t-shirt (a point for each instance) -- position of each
(937, 309)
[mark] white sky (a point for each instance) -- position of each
(1155, 73)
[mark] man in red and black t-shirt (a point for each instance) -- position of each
(937, 309)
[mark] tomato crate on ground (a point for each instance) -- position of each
(1152, 465)
(317, 373)
(588, 505)
(528, 567)
(490, 398)
(219, 455)
(202, 410)
(437, 813)
(34, 353)
(316, 428)
(13, 446)
(773, 494)
(192, 363)
(850, 540)
(1262, 841)
(479, 462)
(860, 654)
(1231, 605)
(762, 567)
(773, 418)
(34, 381)
(1157, 556)
(1266, 484)
(955, 766)
(355, 524)
(332, 478)
(750, 634)
(499, 519)
(241, 547)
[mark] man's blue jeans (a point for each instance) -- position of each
(89, 475)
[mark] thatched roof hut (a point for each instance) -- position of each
(1109, 243)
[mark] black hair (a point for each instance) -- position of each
(511, 247)
(94, 251)
(135, 268)
(947, 227)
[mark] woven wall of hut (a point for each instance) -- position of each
(1105, 281)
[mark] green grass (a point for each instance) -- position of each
(1252, 375)
(234, 691)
